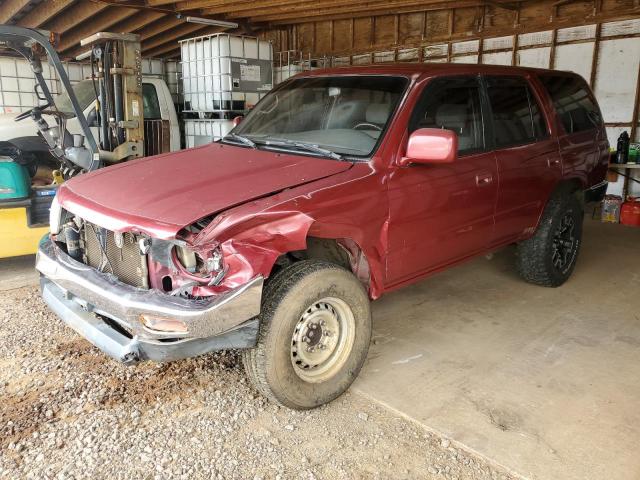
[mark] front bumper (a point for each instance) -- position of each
(107, 312)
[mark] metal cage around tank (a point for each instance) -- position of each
(224, 73)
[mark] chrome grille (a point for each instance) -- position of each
(101, 252)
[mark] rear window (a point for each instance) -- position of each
(517, 117)
(572, 100)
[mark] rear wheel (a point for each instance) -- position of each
(314, 335)
(549, 257)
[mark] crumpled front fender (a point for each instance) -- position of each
(252, 245)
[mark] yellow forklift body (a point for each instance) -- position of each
(16, 237)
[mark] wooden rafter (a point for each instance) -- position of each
(100, 23)
(10, 8)
(183, 30)
(75, 15)
(44, 12)
(130, 25)
(160, 26)
(172, 45)
(303, 8)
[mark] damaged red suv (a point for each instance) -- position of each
(339, 186)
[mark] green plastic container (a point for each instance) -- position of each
(634, 155)
(14, 180)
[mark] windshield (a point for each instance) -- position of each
(85, 94)
(334, 116)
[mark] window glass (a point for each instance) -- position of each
(150, 102)
(517, 117)
(85, 92)
(571, 98)
(452, 104)
(345, 114)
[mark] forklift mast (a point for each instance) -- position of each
(116, 64)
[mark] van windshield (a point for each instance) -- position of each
(85, 93)
(334, 116)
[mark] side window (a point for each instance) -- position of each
(452, 104)
(151, 106)
(576, 109)
(517, 117)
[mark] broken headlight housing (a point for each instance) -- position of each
(208, 269)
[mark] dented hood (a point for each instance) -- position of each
(161, 195)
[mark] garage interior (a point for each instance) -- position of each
(538, 383)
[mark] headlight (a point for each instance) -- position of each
(55, 213)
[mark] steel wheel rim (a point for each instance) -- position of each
(564, 241)
(322, 339)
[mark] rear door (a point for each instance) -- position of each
(582, 138)
(529, 164)
(443, 213)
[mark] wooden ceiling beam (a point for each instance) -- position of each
(165, 45)
(10, 8)
(159, 26)
(43, 13)
(158, 3)
(284, 7)
(226, 7)
(130, 25)
(371, 8)
(74, 16)
(137, 21)
(197, 4)
(185, 30)
(100, 23)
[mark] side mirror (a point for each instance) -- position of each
(237, 120)
(431, 145)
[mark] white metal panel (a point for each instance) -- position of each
(431, 51)
(465, 59)
(576, 33)
(497, 43)
(624, 27)
(497, 58)
(534, 57)
(465, 47)
(408, 54)
(576, 58)
(535, 38)
(617, 77)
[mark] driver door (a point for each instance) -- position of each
(442, 213)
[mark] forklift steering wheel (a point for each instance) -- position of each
(28, 113)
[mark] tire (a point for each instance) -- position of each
(288, 364)
(549, 257)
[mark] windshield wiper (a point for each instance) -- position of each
(309, 147)
(240, 139)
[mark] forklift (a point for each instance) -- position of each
(31, 167)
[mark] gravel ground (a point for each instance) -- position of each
(67, 411)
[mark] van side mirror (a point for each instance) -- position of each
(236, 120)
(431, 145)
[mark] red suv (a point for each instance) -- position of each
(339, 186)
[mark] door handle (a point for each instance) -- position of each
(553, 162)
(484, 179)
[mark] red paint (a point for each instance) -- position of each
(431, 145)
(399, 223)
(630, 212)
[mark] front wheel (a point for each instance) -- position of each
(549, 257)
(314, 335)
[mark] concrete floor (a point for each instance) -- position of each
(545, 382)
